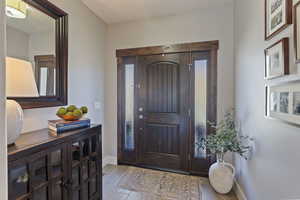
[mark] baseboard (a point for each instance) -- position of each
(109, 160)
(239, 191)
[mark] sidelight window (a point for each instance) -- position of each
(129, 107)
(200, 87)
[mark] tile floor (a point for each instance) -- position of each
(131, 183)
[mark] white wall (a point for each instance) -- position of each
(273, 171)
(86, 65)
(17, 43)
(3, 143)
(203, 25)
(25, 46)
(41, 43)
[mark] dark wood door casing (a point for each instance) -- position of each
(45, 61)
(199, 50)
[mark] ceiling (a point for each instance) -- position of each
(117, 11)
(35, 22)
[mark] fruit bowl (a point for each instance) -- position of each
(69, 117)
(71, 113)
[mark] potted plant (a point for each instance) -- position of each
(226, 139)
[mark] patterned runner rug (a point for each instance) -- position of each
(164, 184)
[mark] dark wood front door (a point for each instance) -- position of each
(162, 112)
(166, 97)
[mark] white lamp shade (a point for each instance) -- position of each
(20, 81)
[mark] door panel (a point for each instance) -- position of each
(162, 139)
(163, 87)
(162, 111)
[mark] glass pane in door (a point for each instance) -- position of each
(129, 107)
(93, 165)
(18, 181)
(75, 176)
(39, 175)
(86, 147)
(56, 163)
(75, 195)
(93, 186)
(57, 191)
(94, 144)
(75, 153)
(84, 171)
(43, 80)
(40, 194)
(200, 67)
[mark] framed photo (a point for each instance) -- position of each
(297, 31)
(278, 15)
(277, 59)
(283, 102)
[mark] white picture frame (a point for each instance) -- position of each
(283, 102)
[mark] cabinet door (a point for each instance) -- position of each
(39, 176)
(86, 173)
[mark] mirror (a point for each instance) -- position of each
(37, 33)
(33, 39)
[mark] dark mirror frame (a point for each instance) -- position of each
(61, 37)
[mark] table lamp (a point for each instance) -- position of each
(20, 82)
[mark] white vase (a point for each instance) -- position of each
(14, 121)
(221, 176)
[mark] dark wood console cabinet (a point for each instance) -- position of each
(65, 167)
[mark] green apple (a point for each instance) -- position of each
(77, 113)
(71, 108)
(61, 111)
(84, 109)
(69, 114)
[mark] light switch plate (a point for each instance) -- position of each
(97, 105)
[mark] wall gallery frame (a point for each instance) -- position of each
(278, 15)
(277, 59)
(283, 102)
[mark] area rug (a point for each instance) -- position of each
(164, 184)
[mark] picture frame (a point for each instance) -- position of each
(297, 31)
(278, 15)
(277, 59)
(283, 102)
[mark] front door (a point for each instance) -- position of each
(162, 102)
(167, 95)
